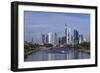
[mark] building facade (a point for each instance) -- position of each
(76, 37)
(81, 39)
(68, 35)
(43, 39)
(55, 39)
(50, 38)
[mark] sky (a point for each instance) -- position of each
(37, 23)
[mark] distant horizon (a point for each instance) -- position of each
(37, 23)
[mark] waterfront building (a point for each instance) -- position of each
(55, 39)
(72, 39)
(60, 42)
(76, 37)
(46, 39)
(63, 40)
(50, 38)
(68, 35)
(66, 32)
(84, 39)
(43, 39)
(81, 39)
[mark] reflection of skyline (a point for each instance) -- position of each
(37, 23)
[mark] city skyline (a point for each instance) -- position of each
(38, 23)
(71, 37)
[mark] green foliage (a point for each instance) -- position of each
(84, 45)
(30, 47)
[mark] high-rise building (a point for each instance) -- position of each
(46, 39)
(63, 40)
(81, 39)
(43, 39)
(72, 39)
(50, 38)
(84, 39)
(68, 35)
(59, 41)
(76, 37)
(55, 39)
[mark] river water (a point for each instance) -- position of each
(56, 54)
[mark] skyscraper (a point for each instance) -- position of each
(81, 39)
(59, 41)
(68, 35)
(76, 37)
(50, 38)
(46, 38)
(43, 39)
(55, 39)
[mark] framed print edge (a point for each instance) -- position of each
(14, 36)
(96, 35)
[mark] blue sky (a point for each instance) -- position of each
(38, 23)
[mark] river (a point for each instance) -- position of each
(56, 54)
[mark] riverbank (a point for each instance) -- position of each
(50, 48)
(30, 52)
(56, 54)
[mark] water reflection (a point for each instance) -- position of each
(57, 54)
